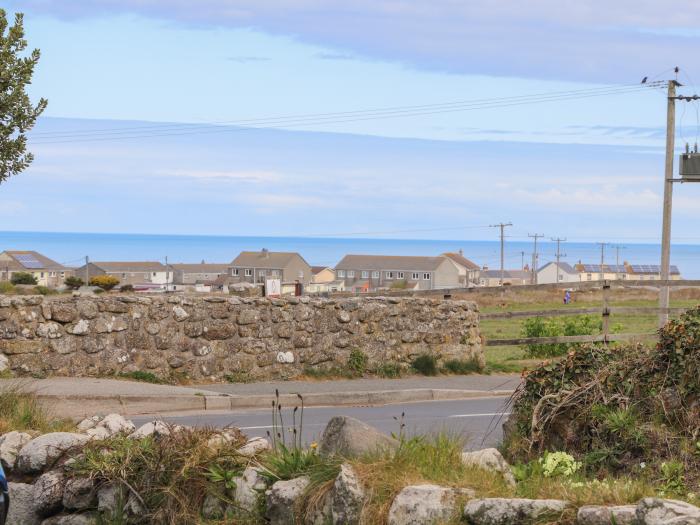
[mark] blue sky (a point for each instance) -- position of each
(586, 168)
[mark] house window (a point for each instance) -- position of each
(261, 272)
(234, 271)
(426, 276)
(351, 274)
(154, 274)
(560, 277)
(365, 274)
(399, 275)
(589, 277)
(415, 276)
(375, 274)
(123, 275)
(275, 273)
(389, 275)
(624, 276)
(248, 272)
(341, 273)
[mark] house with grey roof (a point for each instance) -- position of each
(197, 276)
(47, 272)
(364, 273)
(139, 274)
(548, 273)
(468, 270)
(510, 277)
(256, 267)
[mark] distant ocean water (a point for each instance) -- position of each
(71, 249)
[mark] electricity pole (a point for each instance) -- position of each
(617, 258)
(668, 199)
(522, 260)
(559, 240)
(534, 256)
(602, 259)
(87, 271)
(502, 226)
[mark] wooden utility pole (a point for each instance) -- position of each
(534, 256)
(602, 259)
(559, 240)
(502, 226)
(617, 259)
(668, 199)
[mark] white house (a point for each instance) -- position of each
(548, 274)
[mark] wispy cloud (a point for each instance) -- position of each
(247, 59)
(594, 40)
(334, 56)
(252, 177)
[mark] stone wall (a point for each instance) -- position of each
(217, 338)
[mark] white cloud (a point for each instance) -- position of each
(252, 177)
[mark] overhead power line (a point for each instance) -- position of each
(163, 130)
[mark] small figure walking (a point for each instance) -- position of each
(567, 297)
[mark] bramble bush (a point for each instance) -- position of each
(554, 327)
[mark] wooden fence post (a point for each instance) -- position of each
(606, 312)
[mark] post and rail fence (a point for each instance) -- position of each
(605, 310)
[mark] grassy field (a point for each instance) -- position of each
(515, 359)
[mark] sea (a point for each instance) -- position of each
(71, 249)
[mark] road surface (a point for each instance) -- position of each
(478, 420)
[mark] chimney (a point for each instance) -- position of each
(265, 253)
(461, 252)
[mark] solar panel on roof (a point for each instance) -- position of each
(28, 261)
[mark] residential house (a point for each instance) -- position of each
(256, 267)
(566, 273)
(144, 275)
(324, 280)
(468, 270)
(510, 277)
(47, 272)
(322, 274)
(197, 277)
(363, 273)
(650, 272)
(626, 271)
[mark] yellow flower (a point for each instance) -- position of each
(313, 445)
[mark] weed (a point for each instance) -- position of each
(357, 361)
(389, 370)
(673, 478)
(21, 410)
(44, 290)
(6, 287)
(238, 377)
(462, 366)
(542, 327)
(140, 375)
(425, 364)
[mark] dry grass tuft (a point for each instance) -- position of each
(21, 410)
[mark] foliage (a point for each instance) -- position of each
(73, 282)
(169, 474)
(617, 408)
(20, 410)
(106, 282)
(126, 288)
(399, 285)
(141, 375)
(23, 278)
(17, 113)
(44, 290)
(389, 370)
(462, 366)
(357, 362)
(6, 287)
(556, 464)
(553, 327)
(425, 364)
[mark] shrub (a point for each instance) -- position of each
(389, 370)
(140, 375)
(126, 288)
(553, 327)
(106, 282)
(425, 364)
(6, 287)
(44, 290)
(73, 282)
(23, 278)
(462, 366)
(357, 362)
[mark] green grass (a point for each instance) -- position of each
(140, 375)
(22, 411)
(515, 359)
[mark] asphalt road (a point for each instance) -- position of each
(478, 420)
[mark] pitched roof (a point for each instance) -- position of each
(201, 267)
(264, 259)
(390, 262)
(462, 260)
(31, 260)
(129, 266)
(562, 266)
(319, 269)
